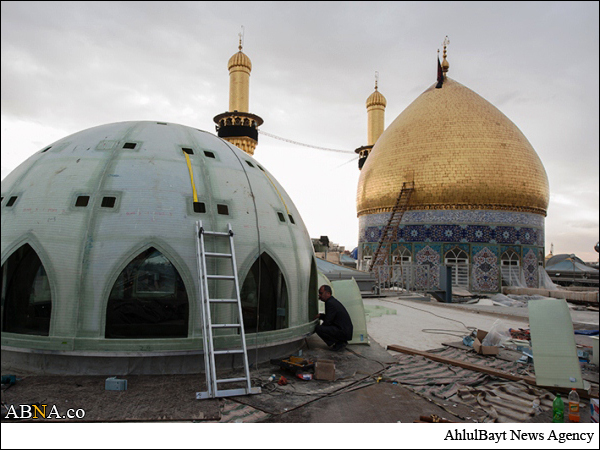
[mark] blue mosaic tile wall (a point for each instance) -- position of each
(461, 217)
(484, 235)
(502, 227)
(428, 260)
(530, 267)
(485, 272)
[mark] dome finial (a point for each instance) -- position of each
(445, 63)
(241, 35)
(376, 79)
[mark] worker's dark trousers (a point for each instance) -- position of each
(330, 334)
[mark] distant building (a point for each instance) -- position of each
(332, 252)
(569, 270)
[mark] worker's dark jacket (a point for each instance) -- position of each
(337, 316)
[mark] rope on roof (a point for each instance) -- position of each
(304, 145)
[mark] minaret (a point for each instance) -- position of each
(237, 125)
(376, 104)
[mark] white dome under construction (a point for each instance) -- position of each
(99, 262)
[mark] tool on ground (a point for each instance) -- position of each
(294, 364)
(305, 376)
(207, 324)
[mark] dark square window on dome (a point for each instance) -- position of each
(108, 202)
(223, 210)
(82, 201)
(281, 217)
(11, 201)
(130, 145)
(291, 218)
(199, 207)
(209, 154)
(189, 151)
(249, 163)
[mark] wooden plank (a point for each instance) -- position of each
(463, 364)
(494, 372)
(504, 354)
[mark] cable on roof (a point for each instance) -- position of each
(304, 145)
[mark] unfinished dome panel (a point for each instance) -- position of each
(148, 300)
(100, 198)
(26, 297)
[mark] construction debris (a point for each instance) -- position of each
(432, 419)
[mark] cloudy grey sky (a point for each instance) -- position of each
(68, 66)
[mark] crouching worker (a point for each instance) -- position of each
(336, 329)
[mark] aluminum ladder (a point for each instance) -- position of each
(212, 382)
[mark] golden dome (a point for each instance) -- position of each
(460, 151)
(239, 59)
(376, 98)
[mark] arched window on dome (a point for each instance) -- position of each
(264, 297)
(511, 268)
(459, 261)
(26, 296)
(148, 300)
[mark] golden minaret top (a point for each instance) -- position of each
(237, 125)
(376, 98)
(239, 61)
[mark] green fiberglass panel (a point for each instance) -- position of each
(348, 293)
(553, 344)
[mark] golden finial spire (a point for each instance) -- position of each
(445, 64)
(241, 35)
(376, 79)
